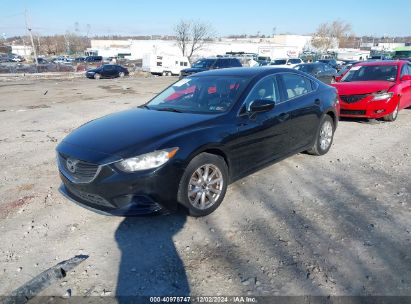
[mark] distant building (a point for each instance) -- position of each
(279, 46)
(22, 50)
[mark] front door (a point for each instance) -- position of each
(262, 137)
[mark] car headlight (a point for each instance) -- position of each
(146, 161)
(381, 96)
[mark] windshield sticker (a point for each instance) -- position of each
(181, 82)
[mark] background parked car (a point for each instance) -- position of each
(107, 71)
(375, 89)
(331, 62)
(79, 59)
(344, 69)
(286, 62)
(94, 59)
(212, 63)
(263, 60)
(319, 70)
(41, 60)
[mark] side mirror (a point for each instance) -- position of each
(338, 78)
(261, 105)
(406, 78)
(288, 63)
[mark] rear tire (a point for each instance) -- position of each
(203, 185)
(394, 115)
(324, 137)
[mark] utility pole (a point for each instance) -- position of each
(31, 38)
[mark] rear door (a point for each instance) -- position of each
(304, 108)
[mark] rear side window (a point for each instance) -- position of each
(236, 63)
(296, 85)
(222, 63)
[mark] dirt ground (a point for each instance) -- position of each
(333, 225)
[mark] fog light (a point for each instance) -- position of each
(379, 111)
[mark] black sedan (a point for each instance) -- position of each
(107, 71)
(319, 70)
(191, 141)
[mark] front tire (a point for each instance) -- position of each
(204, 184)
(97, 76)
(394, 115)
(121, 74)
(324, 137)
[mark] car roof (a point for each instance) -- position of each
(382, 62)
(312, 63)
(244, 72)
(215, 58)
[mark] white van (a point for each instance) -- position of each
(286, 62)
(165, 65)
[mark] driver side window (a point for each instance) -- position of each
(266, 88)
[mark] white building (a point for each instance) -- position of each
(280, 46)
(352, 54)
(22, 50)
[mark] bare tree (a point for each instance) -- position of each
(191, 36)
(329, 34)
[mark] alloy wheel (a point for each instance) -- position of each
(205, 186)
(326, 135)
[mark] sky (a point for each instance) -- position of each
(121, 17)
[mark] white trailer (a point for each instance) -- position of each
(165, 65)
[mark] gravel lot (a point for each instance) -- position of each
(333, 225)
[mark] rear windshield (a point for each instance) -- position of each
(371, 73)
(203, 63)
(278, 62)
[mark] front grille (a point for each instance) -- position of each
(89, 197)
(353, 98)
(352, 112)
(84, 172)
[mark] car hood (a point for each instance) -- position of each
(133, 131)
(193, 70)
(362, 87)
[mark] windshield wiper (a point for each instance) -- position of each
(169, 110)
(144, 107)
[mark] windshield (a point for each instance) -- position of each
(203, 63)
(279, 61)
(211, 94)
(371, 73)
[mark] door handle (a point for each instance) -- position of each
(283, 116)
(317, 102)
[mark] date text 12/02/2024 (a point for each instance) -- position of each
(218, 299)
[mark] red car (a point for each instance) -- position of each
(375, 89)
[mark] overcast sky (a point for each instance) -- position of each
(367, 17)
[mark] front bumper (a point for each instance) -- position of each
(368, 109)
(123, 194)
